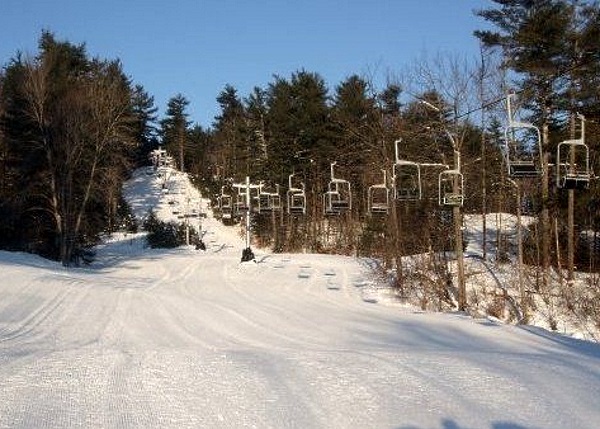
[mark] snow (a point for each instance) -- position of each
(180, 338)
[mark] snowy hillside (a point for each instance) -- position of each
(147, 338)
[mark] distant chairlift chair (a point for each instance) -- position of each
(268, 202)
(225, 205)
(573, 162)
(406, 180)
(451, 188)
(338, 198)
(241, 202)
(522, 147)
(378, 197)
(296, 198)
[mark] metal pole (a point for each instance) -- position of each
(460, 260)
(523, 298)
(457, 215)
(248, 212)
(247, 254)
(187, 221)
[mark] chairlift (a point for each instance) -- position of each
(225, 205)
(406, 180)
(242, 202)
(262, 204)
(334, 202)
(451, 188)
(296, 198)
(275, 199)
(573, 162)
(240, 205)
(268, 202)
(338, 198)
(378, 197)
(522, 147)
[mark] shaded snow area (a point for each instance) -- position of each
(190, 339)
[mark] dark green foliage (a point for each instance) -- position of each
(146, 132)
(174, 128)
(294, 125)
(67, 140)
(553, 46)
(167, 235)
(161, 234)
(125, 219)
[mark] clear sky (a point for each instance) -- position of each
(196, 47)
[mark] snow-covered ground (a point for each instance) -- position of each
(189, 339)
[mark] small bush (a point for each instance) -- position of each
(125, 218)
(161, 234)
(167, 235)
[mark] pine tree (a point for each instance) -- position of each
(144, 111)
(533, 39)
(68, 130)
(355, 120)
(256, 120)
(230, 136)
(174, 127)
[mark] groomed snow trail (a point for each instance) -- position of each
(190, 339)
(186, 339)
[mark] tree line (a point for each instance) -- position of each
(72, 128)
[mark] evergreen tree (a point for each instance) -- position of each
(389, 98)
(174, 127)
(553, 46)
(198, 153)
(230, 136)
(355, 117)
(533, 39)
(146, 129)
(258, 134)
(67, 124)
(300, 123)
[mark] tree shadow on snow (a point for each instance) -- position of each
(587, 348)
(451, 424)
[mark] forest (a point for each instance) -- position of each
(384, 172)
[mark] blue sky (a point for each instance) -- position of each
(196, 47)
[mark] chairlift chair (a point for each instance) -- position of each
(296, 198)
(451, 188)
(268, 201)
(335, 202)
(296, 202)
(407, 181)
(262, 200)
(573, 162)
(522, 147)
(275, 199)
(225, 205)
(242, 205)
(378, 197)
(338, 198)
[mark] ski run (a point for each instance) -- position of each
(182, 338)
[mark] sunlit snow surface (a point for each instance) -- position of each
(190, 339)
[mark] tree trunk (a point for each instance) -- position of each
(545, 216)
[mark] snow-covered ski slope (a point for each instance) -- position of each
(189, 339)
